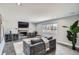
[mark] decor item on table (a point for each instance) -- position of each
(11, 35)
(72, 33)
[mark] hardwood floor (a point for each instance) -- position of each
(64, 50)
(9, 48)
(60, 50)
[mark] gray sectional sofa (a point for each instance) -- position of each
(38, 48)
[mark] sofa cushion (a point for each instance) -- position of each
(36, 41)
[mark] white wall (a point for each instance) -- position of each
(13, 14)
(31, 27)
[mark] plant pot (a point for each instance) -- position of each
(73, 47)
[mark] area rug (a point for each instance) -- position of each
(18, 46)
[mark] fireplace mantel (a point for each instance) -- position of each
(23, 29)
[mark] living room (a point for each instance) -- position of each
(24, 22)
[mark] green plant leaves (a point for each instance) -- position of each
(69, 36)
(74, 25)
(76, 29)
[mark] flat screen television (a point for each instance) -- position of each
(23, 24)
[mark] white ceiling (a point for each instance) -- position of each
(42, 12)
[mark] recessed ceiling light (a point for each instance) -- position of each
(19, 4)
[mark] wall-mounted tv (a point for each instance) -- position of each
(23, 24)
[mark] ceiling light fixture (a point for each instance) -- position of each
(19, 4)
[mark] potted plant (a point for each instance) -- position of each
(72, 33)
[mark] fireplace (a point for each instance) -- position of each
(23, 28)
(23, 33)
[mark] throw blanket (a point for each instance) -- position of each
(46, 41)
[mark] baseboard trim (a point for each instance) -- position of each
(67, 45)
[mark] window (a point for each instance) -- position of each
(49, 27)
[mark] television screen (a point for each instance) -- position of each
(23, 24)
